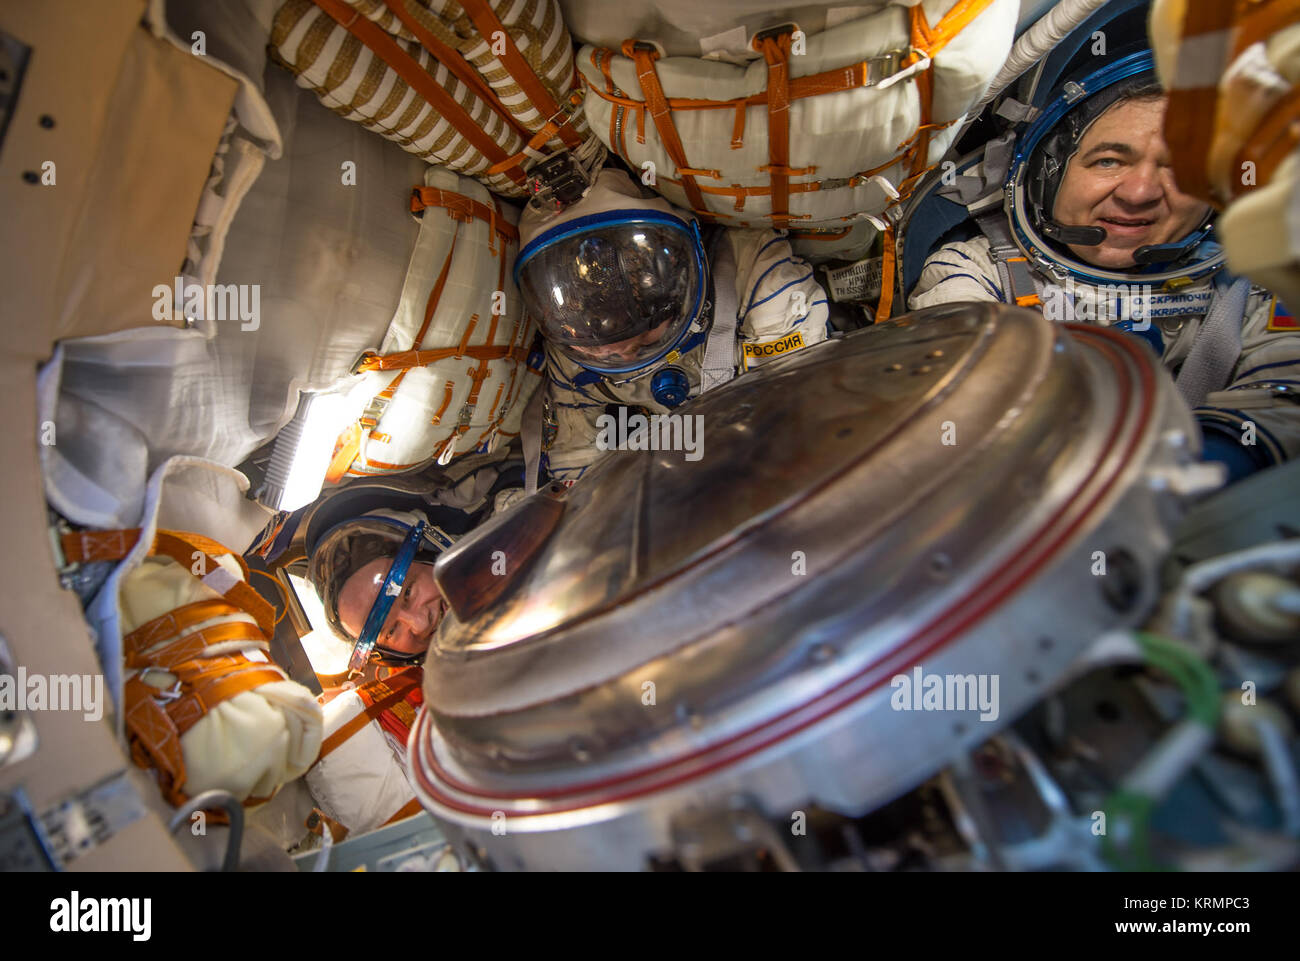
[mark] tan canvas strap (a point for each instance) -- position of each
(406, 67)
(490, 26)
(454, 61)
(644, 56)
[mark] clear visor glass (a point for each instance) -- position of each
(616, 297)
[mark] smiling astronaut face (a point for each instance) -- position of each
(1120, 179)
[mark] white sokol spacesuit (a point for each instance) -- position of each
(1233, 348)
(638, 310)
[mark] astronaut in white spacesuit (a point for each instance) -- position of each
(1095, 230)
(640, 308)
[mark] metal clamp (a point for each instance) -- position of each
(162, 694)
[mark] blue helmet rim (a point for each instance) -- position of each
(628, 216)
(1065, 99)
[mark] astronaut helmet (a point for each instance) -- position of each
(374, 576)
(1172, 249)
(616, 280)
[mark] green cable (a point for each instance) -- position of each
(1201, 689)
(1192, 674)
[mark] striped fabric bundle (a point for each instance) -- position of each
(465, 84)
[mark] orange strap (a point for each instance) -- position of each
(776, 51)
(173, 622)
(407, 359)
(462, 208)
(887, 261)
(192, 645)
(1257, 20)
(838, 80)
(155, 731)
(1189, 118)
(419, 79)
(644, 56)
(490, 27)
(435, 294)
(457, 64)
(85, 546)
(378, 696)
(186, 711)
(345, 453)
(930, 40)
(155, 742)
(1272, 141)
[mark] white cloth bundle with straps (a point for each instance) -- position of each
(480, 86)
(817, 132)
(200, 703)
(452, 368)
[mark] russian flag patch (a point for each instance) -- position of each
(1281, 319)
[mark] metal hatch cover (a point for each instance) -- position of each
(873, 501)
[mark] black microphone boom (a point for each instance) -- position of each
(1076, 236)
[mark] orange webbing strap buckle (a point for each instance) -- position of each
(186, 711)
(644, 56)
(776, 51)
(378, 697)
(419, 80)
(1021, 283)
(155, 742)
(491, 29)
